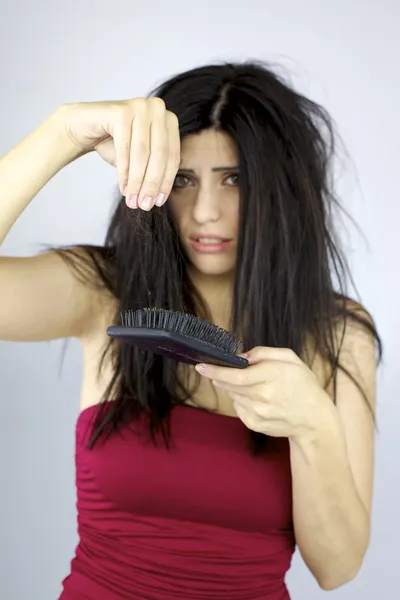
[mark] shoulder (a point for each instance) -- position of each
(352, 345)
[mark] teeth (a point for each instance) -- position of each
(209, 241)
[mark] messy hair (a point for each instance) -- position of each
(291, 275)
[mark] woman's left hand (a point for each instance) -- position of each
(277, 394)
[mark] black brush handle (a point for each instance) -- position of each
(176, 346)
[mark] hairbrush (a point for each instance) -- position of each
(180, 336)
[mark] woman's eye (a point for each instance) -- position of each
(181, 181)
(232, 179)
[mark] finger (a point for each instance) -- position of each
(244, 390)
(255, 395)
(157, 163)
(258, 373)
(254, 413)
(122, 134)
(260, 353)
(240, 411)
(174, 158)
(139, 156)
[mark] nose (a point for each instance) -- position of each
(206, 206)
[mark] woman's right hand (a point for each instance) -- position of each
(140, 137)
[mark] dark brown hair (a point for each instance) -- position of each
(288, 256)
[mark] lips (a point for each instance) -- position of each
(209, 236)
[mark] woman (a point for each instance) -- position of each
(199, 485)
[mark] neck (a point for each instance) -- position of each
(217, 293)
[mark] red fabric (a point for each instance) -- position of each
(205, 520)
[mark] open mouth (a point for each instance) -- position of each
(210, 245)
(212, 241)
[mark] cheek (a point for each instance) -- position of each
(232, 201)
(180, 214)
(176, 209)
(233, 214)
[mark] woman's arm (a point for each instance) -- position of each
(332, 472)
(27, 167)
(41, 299)
(332, 447)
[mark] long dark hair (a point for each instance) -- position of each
(288, 254)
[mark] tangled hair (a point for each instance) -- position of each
(288, 255)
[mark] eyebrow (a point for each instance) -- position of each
(214, 169)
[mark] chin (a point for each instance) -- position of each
(214, 266)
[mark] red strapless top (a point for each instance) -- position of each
(204, 520)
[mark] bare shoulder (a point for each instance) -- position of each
(354, 345)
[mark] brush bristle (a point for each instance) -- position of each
(184, 324)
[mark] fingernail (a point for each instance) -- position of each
(147, 203)
(201, 368)
(161, 198)
(132, 201)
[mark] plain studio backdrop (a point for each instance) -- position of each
(342, 54)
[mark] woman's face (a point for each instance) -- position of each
(204, 202)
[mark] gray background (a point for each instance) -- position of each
(342, 54)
